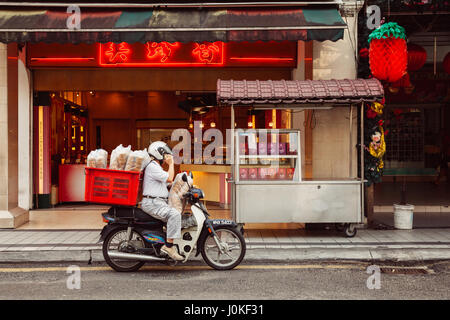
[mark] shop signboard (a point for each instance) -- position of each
(164, 54)
(161, 54)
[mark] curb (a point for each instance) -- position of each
(252, 255)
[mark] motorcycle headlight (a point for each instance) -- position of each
(198, 194)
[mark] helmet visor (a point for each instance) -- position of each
(163, 150)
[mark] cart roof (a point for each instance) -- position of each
(293, 92)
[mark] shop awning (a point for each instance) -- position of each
(171, 24)
(291, 92)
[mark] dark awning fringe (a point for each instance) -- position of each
(172, 25)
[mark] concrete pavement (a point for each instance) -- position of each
(262, 245)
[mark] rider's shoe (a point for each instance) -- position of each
(172, 252)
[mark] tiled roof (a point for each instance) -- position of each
(299, 92)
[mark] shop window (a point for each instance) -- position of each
(413, 137)
(405, 139)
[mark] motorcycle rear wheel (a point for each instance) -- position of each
(119, 235)
(233, 241)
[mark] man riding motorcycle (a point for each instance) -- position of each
(155, 195)
(131, 238)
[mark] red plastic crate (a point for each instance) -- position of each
(112, 186)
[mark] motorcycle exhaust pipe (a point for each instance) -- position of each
(133, 256)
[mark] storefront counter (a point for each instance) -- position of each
(212, 179)
(71, 182)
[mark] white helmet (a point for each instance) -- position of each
(158, 149)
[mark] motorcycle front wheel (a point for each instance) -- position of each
(116, 241)
(233, 249)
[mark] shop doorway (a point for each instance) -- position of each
(109, 133)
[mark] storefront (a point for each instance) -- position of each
(102, 117)
(120, 83)
(417, 109)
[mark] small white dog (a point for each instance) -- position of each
(177, 200)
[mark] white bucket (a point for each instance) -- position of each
(403, 216)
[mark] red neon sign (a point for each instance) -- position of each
(205, 53)
(262, 59)
(62, 59)
(162, 54)
(117, 53)
(160, 50)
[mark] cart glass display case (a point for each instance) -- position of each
(268, 155)
(268, 186)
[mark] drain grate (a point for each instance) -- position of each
(404, 270)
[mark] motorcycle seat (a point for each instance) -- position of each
(134, 213)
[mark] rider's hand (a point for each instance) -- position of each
(169, 159)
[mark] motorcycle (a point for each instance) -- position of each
(132, 237)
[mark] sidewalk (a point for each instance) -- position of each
(262, 245)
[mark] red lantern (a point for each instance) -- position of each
(417, 56)
(364, 53)
(388, 55)
(446, 63)
(388, 59)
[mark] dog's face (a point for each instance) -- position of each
(190, 180)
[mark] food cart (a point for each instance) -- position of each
(267, 185)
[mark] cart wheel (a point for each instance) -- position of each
(349, 230)
(339, 227)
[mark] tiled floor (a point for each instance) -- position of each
(82, 217)
(432, 209)
(420, 219)
(417, 193)
(24, 240)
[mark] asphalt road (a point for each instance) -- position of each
(319, 280)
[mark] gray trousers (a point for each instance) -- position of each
(159, 209)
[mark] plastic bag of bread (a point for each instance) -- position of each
(179, 188)
(90, 161)
(137, 160)
(97, 159)
(119, 157)
(101, 159)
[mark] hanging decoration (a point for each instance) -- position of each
(388, 55)
(404, 83)
(374, 143)
(417, 56)
(446, 63)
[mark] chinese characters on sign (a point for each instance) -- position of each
(160, 50)
(162, 54)
(206, 53)
(117, 53)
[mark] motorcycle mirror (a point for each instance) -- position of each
(184, 178)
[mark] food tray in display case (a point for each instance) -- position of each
(268, 155)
